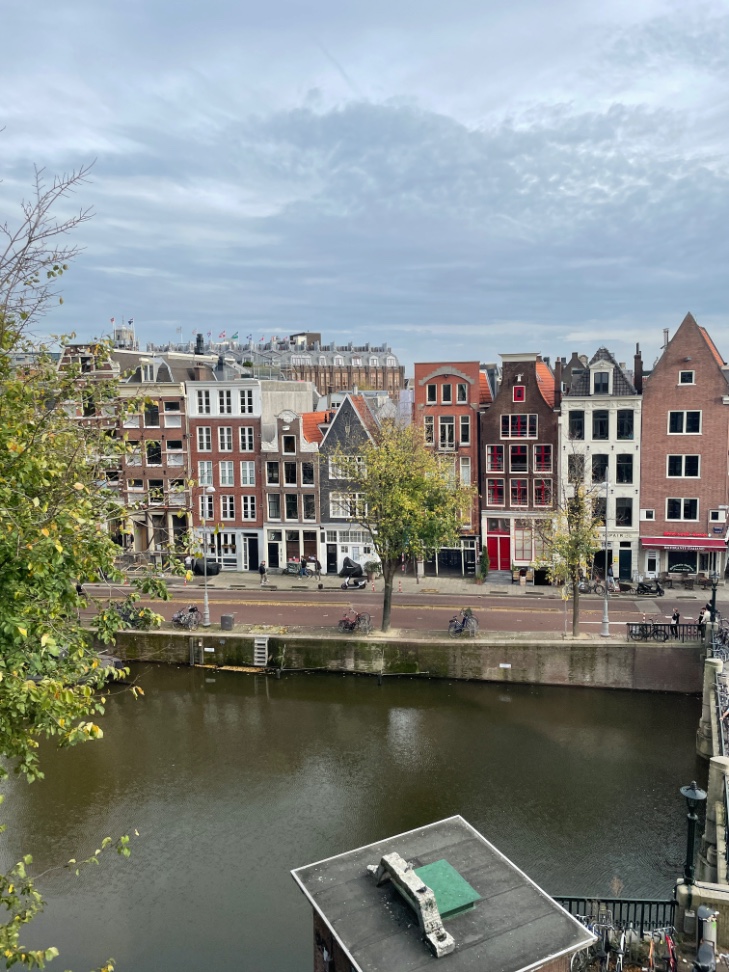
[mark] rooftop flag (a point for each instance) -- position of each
(234, 337)
(222, 334)
(112, 319)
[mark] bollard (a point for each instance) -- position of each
(379, 678)
(373, 587)
(399, 587)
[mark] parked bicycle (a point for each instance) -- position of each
(463, 623)
(591, 586)
(133, 616)
(355, 621)
(647, 630)
(188, 617)
(595, 956)
(298, 570)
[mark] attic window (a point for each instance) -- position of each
(519, 393)
(601, 384)
(687, 378)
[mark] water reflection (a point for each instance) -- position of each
(233, 780)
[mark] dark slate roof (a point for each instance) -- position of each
(622, 385)
(513, 927)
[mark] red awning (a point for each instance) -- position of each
(684, 543)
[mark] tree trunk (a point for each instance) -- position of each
(388, 573)
(575, 608)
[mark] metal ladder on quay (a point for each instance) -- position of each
(260, 651)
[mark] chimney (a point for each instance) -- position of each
(665, 336)
(199, 344)
(557, 383)
(638, 370)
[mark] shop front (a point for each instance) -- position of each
(686, 553)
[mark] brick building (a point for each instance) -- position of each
(518, 460)
(685, 439)
(447, 400)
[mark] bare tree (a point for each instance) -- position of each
(34, 252)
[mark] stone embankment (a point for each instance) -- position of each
(533, 659)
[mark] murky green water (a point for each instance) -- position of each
(232, 780)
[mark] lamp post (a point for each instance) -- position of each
(694, 796)
(209, 490)
(605, 632)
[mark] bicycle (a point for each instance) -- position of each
(360, 622)
(135, 617)
(596, 954)
(463, 623)
(188, 618)
(591, 587)
(646, 630)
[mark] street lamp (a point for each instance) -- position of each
(605, 632)
(694, 796)
(209, 490)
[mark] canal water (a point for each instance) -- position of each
(233, 779)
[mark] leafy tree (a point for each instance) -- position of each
(570, 539)
(55, 505)
(404, 495)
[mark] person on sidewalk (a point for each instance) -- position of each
(262, 572)
(610, 579)
(675, 618)
(317, 570)
(701, 622)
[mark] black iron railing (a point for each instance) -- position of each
(639, 914)
(660, 631)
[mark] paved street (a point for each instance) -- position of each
(426, 607)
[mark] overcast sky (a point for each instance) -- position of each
(457, 179)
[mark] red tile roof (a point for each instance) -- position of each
(310, 422)
(484, 389)
(712, 347)
(362, 408)
(545, 380)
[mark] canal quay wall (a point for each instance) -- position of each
(524, 659)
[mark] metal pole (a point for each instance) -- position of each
(206, 603)
(605, 632)
(714, 583)
(688, 868)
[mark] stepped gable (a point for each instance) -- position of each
(546, 382)
(622, 385)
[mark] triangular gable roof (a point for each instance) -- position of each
(712, 347)
(622, 385)
(546, 382)
(360, 408)
(310, 422)
(484, 389)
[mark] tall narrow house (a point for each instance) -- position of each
(518, 460)
(685, 438)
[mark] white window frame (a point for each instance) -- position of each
(247, 443)
(270, 497)
(683, 518)
(225, 438)
(489, 467)
(547, 479)
(304, 517)
(225, 401)
(203, 401)
(528, 434)
(464, 471)
(462, 393)
(246, 401)
(431, 394)
(205, 472)
(227, 508)
(684, 412)
(682, 372)
(449, 399)
(464, 424)
(648, 516)
(542, 445)
(247, 472)
(446, 422)
(502, 480)
(429, 430)
(519, 506)
(341, 504)
(204, 438)
(226, 472)
(248, 507)
(207, 507)
(683, 458)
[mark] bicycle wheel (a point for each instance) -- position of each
(470, 625)
(635, 632)
(194, 622)
(659, 634)
(599, 589)
(454, 629)
(343, 625)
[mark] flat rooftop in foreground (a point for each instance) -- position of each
(513, 926)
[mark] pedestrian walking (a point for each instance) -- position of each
(188, 562)
(610, 578)
(701, 622)
(262, 571)
(675, 618)
(317, 570)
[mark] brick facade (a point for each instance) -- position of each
(685, 439)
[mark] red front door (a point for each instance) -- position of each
(499, 552)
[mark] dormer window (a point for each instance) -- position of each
(601, 383)
(519, 393)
